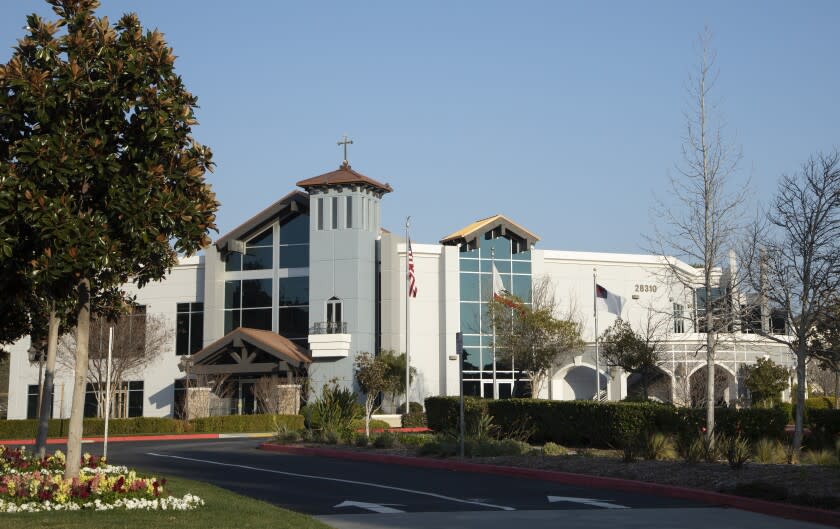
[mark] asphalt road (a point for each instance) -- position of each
(356, 495)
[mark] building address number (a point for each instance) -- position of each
(645, 288)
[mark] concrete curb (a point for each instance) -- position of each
(782, 510)
(130, 438)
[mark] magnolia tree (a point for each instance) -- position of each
(632, 351)
(99, 164)
(766, 381)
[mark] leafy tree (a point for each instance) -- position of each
(766, 380)
(531, 335)
(373, 378)
(395, 372)
(98, 166)
(632, 352)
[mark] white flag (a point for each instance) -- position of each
(499, 290)
(612, 302)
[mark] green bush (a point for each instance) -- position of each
(658, 447)
(26, 429)
(554, 449)
(442, 413)
(825, 426)
(737, 451)
(414, 419)
(375, 424)
(768, 451)
(413, 407)
(385, 440)
(818, 457)
(415, 439)
(819, 403)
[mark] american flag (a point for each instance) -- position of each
(412, 284)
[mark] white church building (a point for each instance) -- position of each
(306, 284)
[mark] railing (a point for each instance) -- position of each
(329, 327)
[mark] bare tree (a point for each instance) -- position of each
(795, 260)
(703, 222)
(139, 339)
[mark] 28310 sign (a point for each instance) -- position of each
(645, 288)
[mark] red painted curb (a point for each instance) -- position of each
(117, 439)
(411, 429)
(782, 510)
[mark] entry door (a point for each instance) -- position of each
(247, 397)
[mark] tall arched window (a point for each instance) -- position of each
(334, 322)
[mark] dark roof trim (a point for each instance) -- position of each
(291, 203)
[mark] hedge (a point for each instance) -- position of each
(415, 419)
(825, 424)
(26, 429)
(607, 424)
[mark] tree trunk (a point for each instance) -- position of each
(77, 411)
(47, 393)
(799, 414)
(836, 389)
(710, 382)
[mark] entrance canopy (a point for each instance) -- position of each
(253, 351)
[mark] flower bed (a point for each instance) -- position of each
(30, 484)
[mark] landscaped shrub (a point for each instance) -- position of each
(818, 457)
(736, 449)
(375, 424)
(442, 413)
(385, 440)
(658, 447)
(825, 426)
(413, 407)
(414, 439)
(768, 451)
(554, 449)
(415, 419)
(26, 429)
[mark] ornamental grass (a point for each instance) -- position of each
(32, 484)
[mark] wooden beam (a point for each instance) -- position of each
(234, 369)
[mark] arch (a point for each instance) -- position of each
(702, 365)
(660, 386)
(725, 385)
(577, 382)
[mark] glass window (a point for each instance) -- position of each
(232, 320)
(257, 258)
(296, 230)
(293, 291)
(471, 318)
(487, 357)
(335, 213)
(189, 335)
(320, 214)
(500, 245)
(256, 293)
(522, 288)
(469, 265)
(257, 319)
(349, 209)
(472, 389)
(679, 321)
(32, 401)
(233, 262)
(233, 293)
(294, 256)
(472, 358)
(265, 238)
(135, 398)
(522, 267)
(293, 322)
(502, 266)
(472, 340)
(469, 287)
(522, 256)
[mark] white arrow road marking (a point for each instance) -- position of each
(587, 501)
(375, 507)
(338, 480)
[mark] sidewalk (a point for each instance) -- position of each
(782, 510)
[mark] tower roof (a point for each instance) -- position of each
(343, 176)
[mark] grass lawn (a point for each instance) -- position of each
(223, 509)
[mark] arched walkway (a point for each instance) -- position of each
(724, 386)
(578, 383)
(659, 386)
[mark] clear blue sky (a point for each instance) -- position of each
(567, 117)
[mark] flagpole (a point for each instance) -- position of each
(597, 352)
(407, 320)
(492, 298)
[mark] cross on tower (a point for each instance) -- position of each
(345, 142)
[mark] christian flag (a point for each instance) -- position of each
(605, 298)
(499, 291)
(412, 282)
